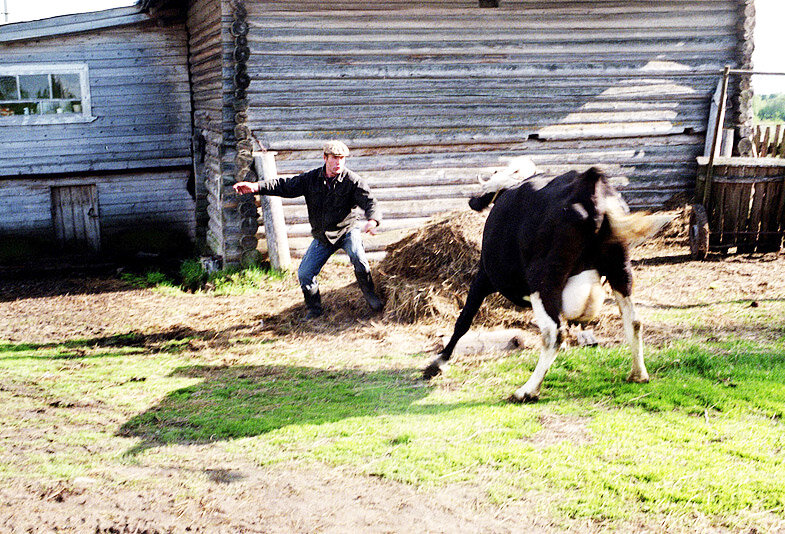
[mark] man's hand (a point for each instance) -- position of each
(244, 188)
(370, 226)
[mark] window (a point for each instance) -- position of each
(44, 94)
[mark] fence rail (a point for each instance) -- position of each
(768, 141)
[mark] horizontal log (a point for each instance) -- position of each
(94, 166)
(292, 140)
(80, 144)
(433, 47)
(622, 18)
(444, 118)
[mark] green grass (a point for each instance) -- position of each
(250, 279)
(705, 436)
(193, 278)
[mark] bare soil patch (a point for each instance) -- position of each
(239, 497)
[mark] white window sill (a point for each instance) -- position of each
(27, 120)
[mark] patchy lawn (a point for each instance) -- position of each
(145, 410)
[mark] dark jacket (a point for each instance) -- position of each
(330, 203)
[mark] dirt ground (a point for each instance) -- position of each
(246, 498)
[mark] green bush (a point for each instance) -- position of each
(770, 108)
(193, 277)
(148, 279)
(192, 274)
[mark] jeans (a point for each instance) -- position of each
(318, 253)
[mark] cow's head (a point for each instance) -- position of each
(589, 199)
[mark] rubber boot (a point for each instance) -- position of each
(313, 303)
(366, 286)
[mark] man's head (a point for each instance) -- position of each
(335, 153)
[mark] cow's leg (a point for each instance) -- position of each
(480, 288)
(547, 317)
(632, 331)
(617, 270)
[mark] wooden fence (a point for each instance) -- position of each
(768, 141)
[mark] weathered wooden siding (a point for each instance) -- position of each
(212, 71)
(136, 151)
(427, 97)
(140, 97)
(205, 61)
(143, 199)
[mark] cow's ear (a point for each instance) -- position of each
(577, 212)
(593, 175)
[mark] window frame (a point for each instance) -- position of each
(81, 69)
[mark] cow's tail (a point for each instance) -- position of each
(517, 170)
(634, 228)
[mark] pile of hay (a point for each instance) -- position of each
(426, 275)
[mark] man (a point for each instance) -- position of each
(331, 193)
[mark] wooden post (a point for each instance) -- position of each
(715, 106)
(727, 142)
(715, 137)
(272, 212)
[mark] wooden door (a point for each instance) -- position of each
(75, 217)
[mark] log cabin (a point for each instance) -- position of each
(177, 99)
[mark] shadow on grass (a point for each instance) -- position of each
(57, 284)
(172, 340)
(747, 302)
(244, 401)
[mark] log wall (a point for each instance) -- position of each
(136, 147)
(228, 221)
(143, 199)
(429, 96)
(140, 100)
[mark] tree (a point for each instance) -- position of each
(770, 108)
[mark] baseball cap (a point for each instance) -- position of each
(336, 148)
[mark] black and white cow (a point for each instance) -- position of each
(552, 242)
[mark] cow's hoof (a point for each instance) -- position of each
(432, 370)
(638, 378)
(437, 366)
(525, 399)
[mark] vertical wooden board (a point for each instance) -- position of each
(745, 192)
(730, 213)
(780, 208)
(770, 238)
(716, 215)
(781, 149)
(93, 230)
(78, 202)
(757, 206)
(768, 204)
(67, 209)
(764, 149)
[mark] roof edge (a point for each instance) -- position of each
(75, 23)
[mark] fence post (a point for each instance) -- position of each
(715, 106)
(272, 213)
(715, 137)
